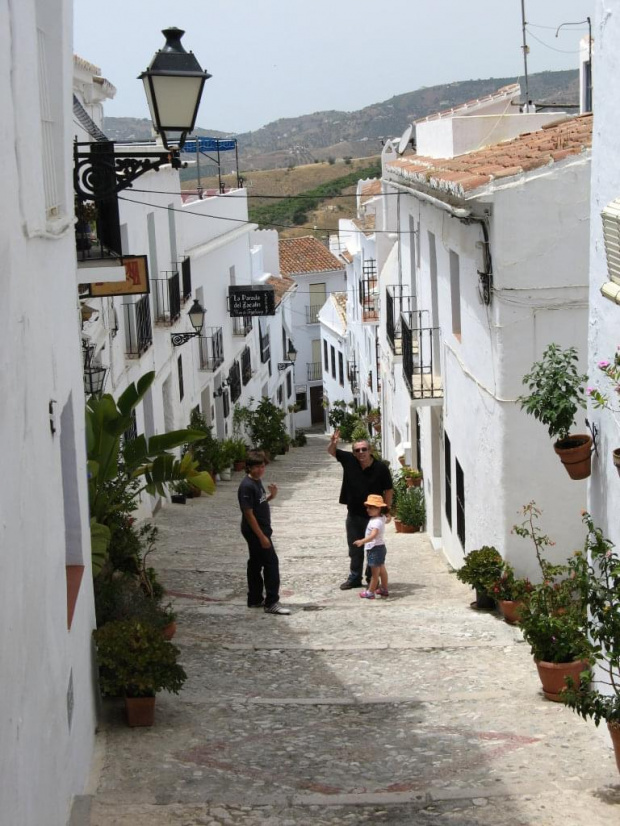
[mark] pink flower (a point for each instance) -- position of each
(589, 390)
(603, 364)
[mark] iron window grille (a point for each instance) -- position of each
(312, 313)
(225, 404)
(420, 346)
(447, 458)
(315, 371)
(341, 369)
(369, 291)
(132, 431)
(234, 381)
(242, 325)
(138, 328)
(265, 345)
(325, 357)
(211, 349)
(167, 298)
(460, 502)
(353, 376)
(180, 371)
(280, 394)
(246, 365)
(397, 301)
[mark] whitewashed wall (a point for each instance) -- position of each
(48, 718)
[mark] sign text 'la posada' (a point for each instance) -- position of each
(248, 301)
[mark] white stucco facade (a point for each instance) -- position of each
(46, 678)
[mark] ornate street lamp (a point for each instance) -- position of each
(173, 84)
(291, 356)
(197, 319)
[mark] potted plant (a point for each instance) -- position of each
(135, 662)
(553, 617)
(411, 510)
(597, 696)
(266, 427)
(480, 569)
(611, 369)
(557, 391)
(510, 592)
(413, 477)
(239, 452)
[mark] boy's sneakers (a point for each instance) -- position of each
(367, 595)
(276, 608)
(382, 592)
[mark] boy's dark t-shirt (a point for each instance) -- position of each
(251, 494)
(358, 482)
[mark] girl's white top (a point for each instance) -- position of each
(377, 522)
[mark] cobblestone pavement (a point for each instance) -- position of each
(413, 709)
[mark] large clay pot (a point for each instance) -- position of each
(575, 453)
(168, 631)
(509, 610)
(552, 676)
(140, 711)
(614, 732)
(409, 528)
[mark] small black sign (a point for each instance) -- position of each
(248, 301)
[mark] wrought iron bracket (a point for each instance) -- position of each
(284, 364)
(594, 431)
(181, 338)
(100, 172)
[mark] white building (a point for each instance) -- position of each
(46, 679)
(340, 384)
(317, 273)
(486, 266)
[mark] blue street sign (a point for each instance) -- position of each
(209, 145)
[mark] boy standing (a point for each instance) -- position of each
(263, 564)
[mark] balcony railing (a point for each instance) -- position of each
(421, 359)
(242, 325)
(312, 313)
(167, 298)
(186, 280)
(138, 328)
(211, 349)
(369, 291)
(315, 371)
(397, 301)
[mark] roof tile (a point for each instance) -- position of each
(306, 254)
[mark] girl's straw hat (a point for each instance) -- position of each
(375, 500)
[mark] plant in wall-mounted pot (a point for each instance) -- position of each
(611, 369)
(557, 391)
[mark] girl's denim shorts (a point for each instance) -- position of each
(376, 556)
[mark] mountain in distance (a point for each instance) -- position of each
(334, 134)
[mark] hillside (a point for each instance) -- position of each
(333, 134)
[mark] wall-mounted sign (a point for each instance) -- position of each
(248, 301)
(136, 279)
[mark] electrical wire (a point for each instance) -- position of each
(553, 49)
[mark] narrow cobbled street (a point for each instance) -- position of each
(413, 709)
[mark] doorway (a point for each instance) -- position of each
(316, 405)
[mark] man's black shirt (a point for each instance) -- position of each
(358, 482)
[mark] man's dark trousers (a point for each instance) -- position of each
(356, 529)
(263, 567)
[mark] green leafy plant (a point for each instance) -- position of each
(553, 617)
(598, 695)
(557, 390)
(266, 426)
(508, 587)
(611, 369)
(411, 508)
(114, 464)
(136, 661)
(300, 439)
(481, 568)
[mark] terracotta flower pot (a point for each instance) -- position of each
(509, 610)
(240, 465)
(140, 711)
(398, 525)
(168, 631)
(409, 528)
(552, 676)
(575, 453)
(614, 732)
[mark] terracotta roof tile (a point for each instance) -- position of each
(505, 93)
(366, 224)
(533, 150)
(370, 190)
(340, 300)
(281, 286)
(306, 254)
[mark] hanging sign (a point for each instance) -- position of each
(251, 301)
(136, 279)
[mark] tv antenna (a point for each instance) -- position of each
(405, 138)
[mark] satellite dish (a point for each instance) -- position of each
(403, 143)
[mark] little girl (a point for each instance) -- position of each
(375, 544)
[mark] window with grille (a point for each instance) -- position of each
(341, 369)
(225, 403)
(325, 357)
(447, 454)
(333, 352)
(280, 394)
(246, 365)
(180, 369)
(460, 503)
(301, 399)
(289, 385)
(234, 381)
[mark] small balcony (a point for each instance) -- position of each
(369, 292)
(312, 313)
(242, 325)
(315, 371)
(421, 358)
(211, 349)
(397, 301)
(167, 292)
(138, 328)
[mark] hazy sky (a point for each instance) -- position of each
(282, 58)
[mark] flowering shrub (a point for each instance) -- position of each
(612, 370)
(508, 587)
